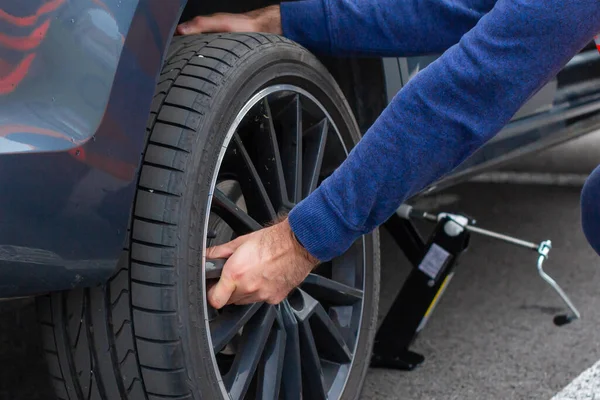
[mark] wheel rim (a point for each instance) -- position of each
(303, 347)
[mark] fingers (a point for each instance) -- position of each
(197, 25)
(215, 23)
(220, 293)
(225, 250)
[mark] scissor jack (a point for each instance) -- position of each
(434, 262)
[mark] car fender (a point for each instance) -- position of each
(77, 79)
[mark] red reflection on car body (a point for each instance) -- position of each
(29, 20)
(27, 42)
(11, 75)
(9, 82)
(116, 168)
(7, 130)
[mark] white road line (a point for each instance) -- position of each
(532, 178)
(585, 387)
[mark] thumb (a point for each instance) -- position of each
(219, 294)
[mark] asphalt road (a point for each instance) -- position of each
(491, 336)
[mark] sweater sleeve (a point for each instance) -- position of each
(397, 28)
(443, 115)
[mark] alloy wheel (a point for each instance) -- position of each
(282, 145)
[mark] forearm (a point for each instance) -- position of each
(443, 115)
(380, 27)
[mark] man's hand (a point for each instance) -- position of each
(263, 266)
(266, 20)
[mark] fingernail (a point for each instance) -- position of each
(183, 28)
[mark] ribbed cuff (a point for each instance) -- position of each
(305, 22)
(319, 229)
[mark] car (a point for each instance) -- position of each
(126, 151)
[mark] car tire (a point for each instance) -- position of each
(148, 333)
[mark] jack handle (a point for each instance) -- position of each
(563, 319)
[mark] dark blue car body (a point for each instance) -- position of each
(76, 84)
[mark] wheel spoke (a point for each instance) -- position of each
(214, 268)
(330, 291)
(254, 338)
(268, 159)
(271, 366)
(289, 120)
(229, 322)
(255, 194)
(313, 382)
(315, 139)
(235, 217)
(291, 380)
(327, 337)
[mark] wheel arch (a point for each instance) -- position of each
(71, 233)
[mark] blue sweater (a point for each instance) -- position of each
(497, 54)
